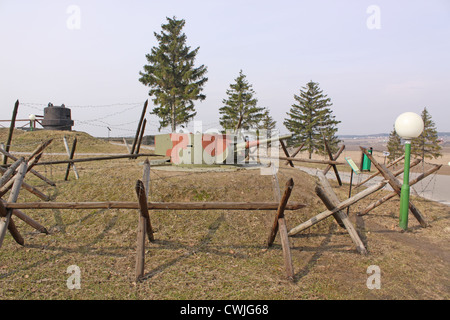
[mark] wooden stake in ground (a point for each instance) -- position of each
(11, 130)
(144, 226)
(281, 226)
(4, 221)
(141, 135)
(396, 185)
(71, 155)
(335, 157)
(295, 152)
(138, 130)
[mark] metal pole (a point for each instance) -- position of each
(404, 196)
(350, 191)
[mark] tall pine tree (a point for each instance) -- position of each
(240, 110)
(394, 146)
(426, 145)
(174, 80)
(311, 118)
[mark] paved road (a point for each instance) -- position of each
(435, 187)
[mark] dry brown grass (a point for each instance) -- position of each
(216, 254)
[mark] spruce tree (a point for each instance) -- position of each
(311, 118)
(426, 145)
(240, 110)
(394, 146)
(174, 81)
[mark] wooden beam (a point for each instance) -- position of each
(66, 145)
(329, 190)
(335, 157)
(310, 160)
(280, 210)
(330, 199)
(244, 206)
(122, 156)
(141, 135)
(138, 129)
(330, 156)
(11, 129)
(283, 146)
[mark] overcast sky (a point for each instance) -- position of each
(374, 59)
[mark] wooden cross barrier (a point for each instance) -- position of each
(296, 151)
(396, 185)
(332, 158)
(37, 150)
(377, 173)
(342, 205)
(71, 154)
(143, 205)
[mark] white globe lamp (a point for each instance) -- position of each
(32, 117)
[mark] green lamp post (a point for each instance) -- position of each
(408, 125)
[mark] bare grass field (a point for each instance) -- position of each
(214, 254)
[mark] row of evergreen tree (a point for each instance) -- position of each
(176, 83)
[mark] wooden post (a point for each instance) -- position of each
(4, 221)
(329, 190)
(397, 186)
(344, 204)
(283, 146)
(126, 145)
(141, 135)
(140, 251)
(72, 153)
(330, 199)
(283, 231)
(280, 210)
(335, 157)
(11, 130)
(66, 145)
(143, 208)
(138, 130)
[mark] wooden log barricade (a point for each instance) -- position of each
(10, 207)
